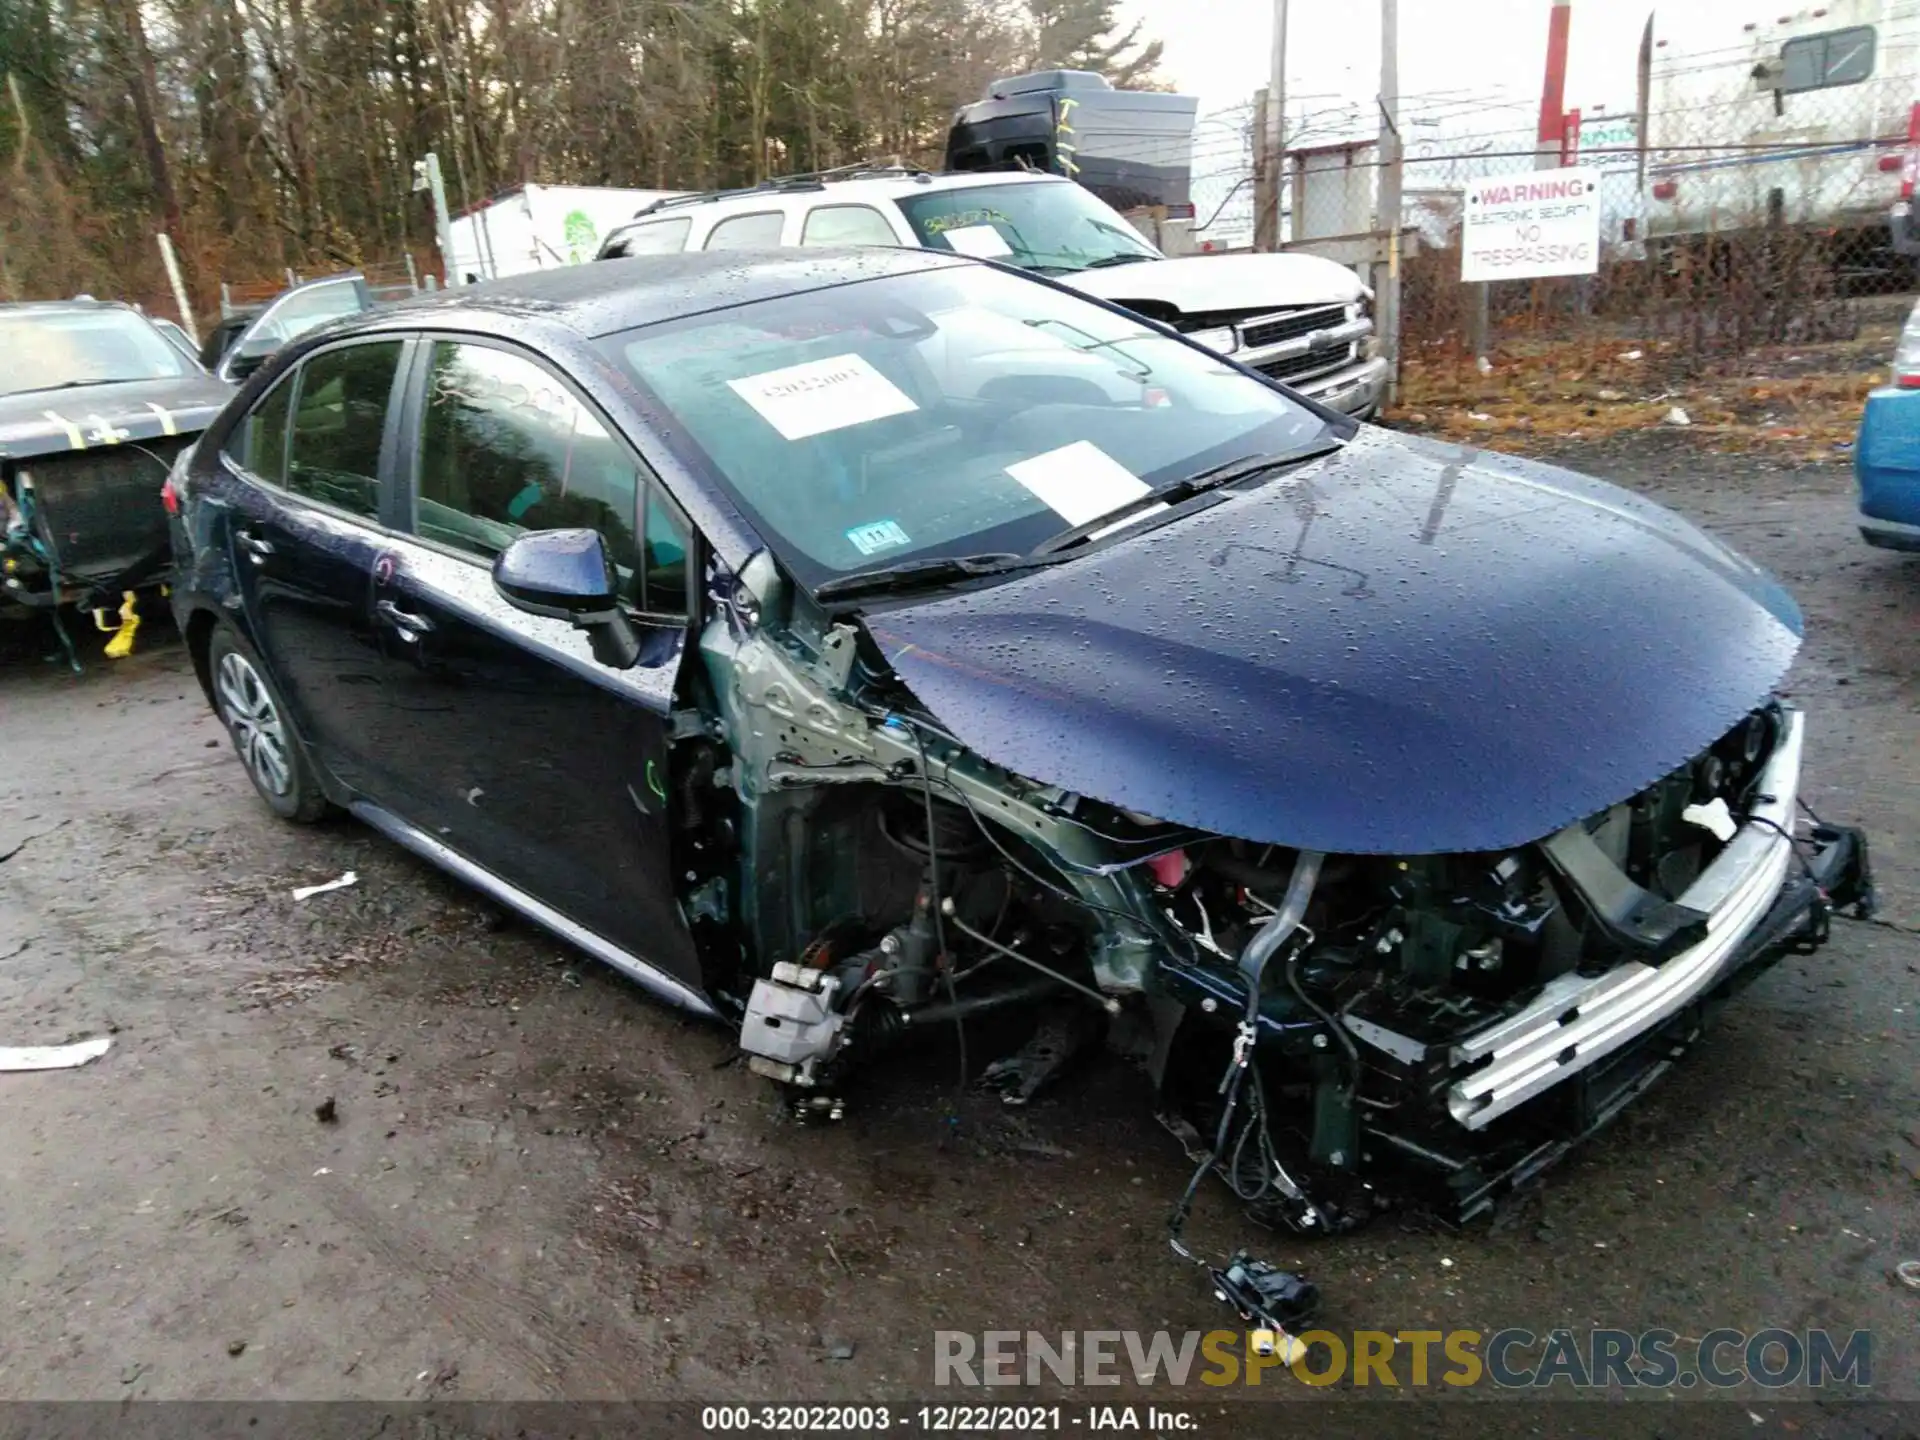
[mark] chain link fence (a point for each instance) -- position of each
(1757, 218)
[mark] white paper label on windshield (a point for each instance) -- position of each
(822, 395)
(983, 242)
(1079, 482)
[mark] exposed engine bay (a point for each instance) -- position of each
(1428, 1029)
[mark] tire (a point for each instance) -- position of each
(250, 706)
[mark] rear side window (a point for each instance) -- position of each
(748, 232)
(339, 414)
(662, 237)
(259, 442)
(505, 448)
(847, 225)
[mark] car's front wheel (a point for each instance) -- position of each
(256, 718)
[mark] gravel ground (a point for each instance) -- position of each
(537, 1184)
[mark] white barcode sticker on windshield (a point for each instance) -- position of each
(880, 535)
(1079, 482)
(822, 395)
(983, 242)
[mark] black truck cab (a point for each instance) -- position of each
(1132, 148)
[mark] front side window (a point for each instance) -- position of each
(952, 411)
(748, 232)
(259, 442)
(659, 237)
(1053, 227)
(44, 350)
(340, 411)
(847, 225)
(505, 448)
(1817, 62)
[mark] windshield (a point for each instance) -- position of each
(949, 412)
(53, 349)
(1053, 228)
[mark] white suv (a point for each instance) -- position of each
(1301, 319)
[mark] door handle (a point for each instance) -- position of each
(255, 547)
(410, 626)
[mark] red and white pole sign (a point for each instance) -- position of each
(1518, 227)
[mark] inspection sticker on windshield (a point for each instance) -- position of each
(880, 535)
(822, 395)
(983, 242)
(1079, 482)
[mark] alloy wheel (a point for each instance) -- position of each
(259, 733)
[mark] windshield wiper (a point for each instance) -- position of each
(1124, 258)
(1243, 467)
(919, 574)
(74, 385)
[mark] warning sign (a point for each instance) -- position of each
(1517, 227)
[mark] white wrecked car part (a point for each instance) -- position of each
(53, 1057)
(350, 878)
(1714, 816)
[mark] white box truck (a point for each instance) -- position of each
(537, 227)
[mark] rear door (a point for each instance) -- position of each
(305, 484)
(546, 768)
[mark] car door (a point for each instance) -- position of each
(547, 768)
(304, 489)
(290, 315)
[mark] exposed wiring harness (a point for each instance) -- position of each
(935, 900)
(1257, 1291)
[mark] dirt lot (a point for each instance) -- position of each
(540, 1185)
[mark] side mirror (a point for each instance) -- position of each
(566, 575)
(249, 355)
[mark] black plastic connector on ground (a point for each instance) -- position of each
(1263, 1295)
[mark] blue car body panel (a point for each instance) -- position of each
(1886, 463)
(1405, 648)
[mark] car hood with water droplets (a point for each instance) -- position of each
(1405, 648)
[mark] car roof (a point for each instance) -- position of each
(832, 190)
(31, 307)
(604, 297)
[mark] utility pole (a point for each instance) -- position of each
(426, 176)
(1276, 136)
(1387, 310)
(1551, 132)
(172, 264)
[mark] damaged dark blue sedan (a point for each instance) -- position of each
(847, 644)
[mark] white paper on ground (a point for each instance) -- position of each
(53, 1057)
(1079, 482)
(822, 395)
(983, 242)
(350, 878)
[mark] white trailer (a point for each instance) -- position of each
(1806, 108)
(537, 227)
